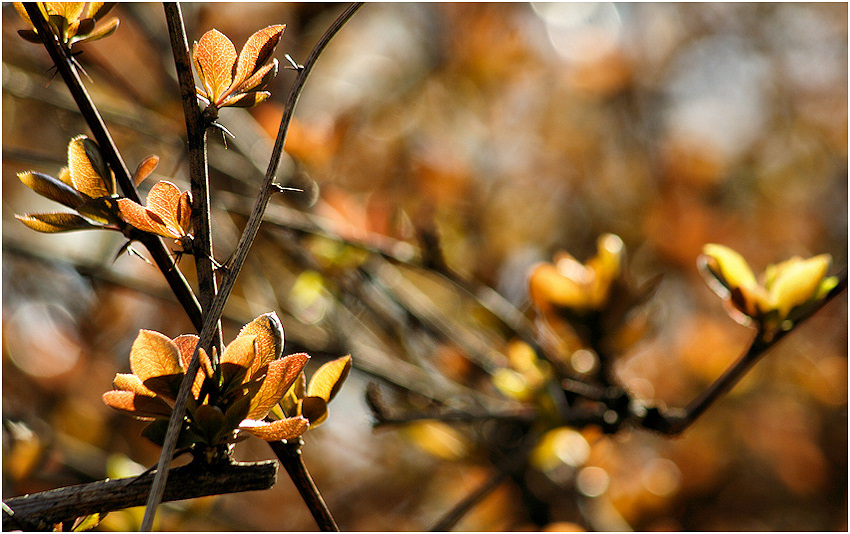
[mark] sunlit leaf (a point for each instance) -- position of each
(246, 100)
(85, 523)
(257, 50)
(280, 376)
(145, 220)
(328, 378)
(289, 428)
(145, 168)
(216, 56)
(55, 222)
(798, 282)
(132, 383)
(154, 354)
(101, 210)
(236, 360)
(268, 332)
(50, 187)
(84, 171)
(105, 30)
(140, 406)
(257, 80)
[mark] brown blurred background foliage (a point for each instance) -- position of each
(512, 131)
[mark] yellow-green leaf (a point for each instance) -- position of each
(51, 223)
(328, 378)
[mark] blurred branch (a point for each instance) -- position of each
(676, 421)
(40, 511)
(289, 454)
(153, 243)
(198, 172)
(454, 515)
(238, 260)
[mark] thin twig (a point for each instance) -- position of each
(237, 261)
(42, 510)
(159, 253)
(454, 515)
(676, 421)
(289, 454)
(198, 170)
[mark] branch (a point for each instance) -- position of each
(198, 171)
(238, 260)
(459, 510)
(289, 454)
(41, 511)
(676, 421)
(154, 244)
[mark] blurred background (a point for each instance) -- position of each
(509, 132)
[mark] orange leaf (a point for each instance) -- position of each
(164, 200)
(83, 174)
(216, 56)
(256, 52)
(240, 351)
(139, 406)
(288, 428)
(145, 168)
(329, 378)
(186, 347)
(145, 220)
(268, 331)
(280, 376)
(132, 383)
(153, 355)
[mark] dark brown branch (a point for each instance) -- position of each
(238, 260)
(289, 454)
(159, 253)
(198, 170)
(676, 421)
(41, 511)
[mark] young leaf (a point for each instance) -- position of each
(315, 409)
(153, 354)
(215, 56)
(329, 378)
(139, 406)
(289, 428)
(132, 383)
(268, 331)
(280, 376)
(84, 174)
(257, 50)
(55, 222)
(50, 187)
(145, 168)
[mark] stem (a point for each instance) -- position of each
(454, 515)
(676, 421)
(153, 243)
(239, 256)
(42, 510)
(289, 454)
(198, 169)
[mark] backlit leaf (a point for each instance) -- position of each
(154, 354)
(289, 428)
(55, 222)
(216, 56)
(145, 220)
(84, 174)
(315, 409)
(256, 52)
(105, 30)
(139, 406)
(246, 100)
(102, 210)
(50, 187)
(145, 168)
(280, 376)
(268, 332)
(263, 74)
(132, 383)
(164, 200)
(329, 378)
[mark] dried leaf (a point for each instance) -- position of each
(153, 354)
(329, 378)
(51, 223)
(256, 52)
(288, 428)
(216, 56)
(280, 376)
